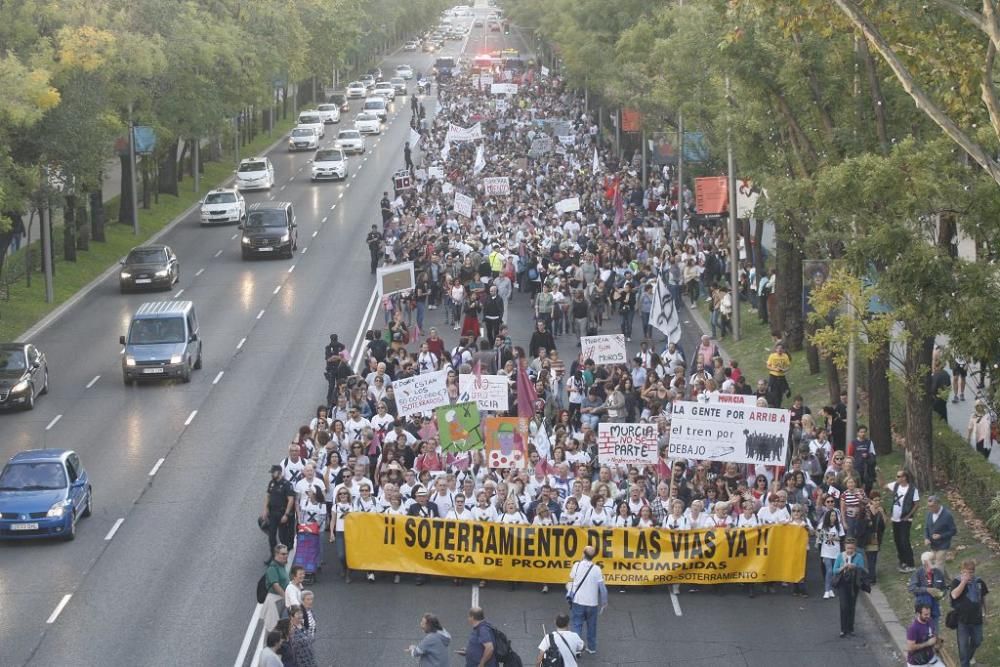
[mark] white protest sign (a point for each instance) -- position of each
(568, 205)
(545, 70)
(567, 139)
(459, 133)
(496, 185)
(421, 393)
(435, 171)
(488, 391)
(604, 350)
(627, 444)
(501, 104)
(540, 145)
(503, 89)
(485, 80)
(447, 188)
(463, 204)
(728, 432)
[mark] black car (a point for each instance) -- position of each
(148, 267)
(270, 229)
(340, 99)
(24, 375)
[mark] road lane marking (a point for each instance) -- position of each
(260, 314)
(218, 377)
(281, 188)
(239, 345)
(217, 254)
(233, 237)
(276, 290)
(366, 319)
(290, 269)
(59, 607)
(156, 468)
(333, 207)
(304, 248)
(93, 382)
(324, 218)
(341, 195)
(293, 178)
(202, 270)
(187, 422)
(475, 595)
(114, 529)
(677, 604)
(315, 232)
(55, 420)
(179, 292)
(248, 636)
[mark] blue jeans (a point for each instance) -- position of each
(627, 316)
(828, 579)
(580, 613)
(969, 639)
(421, 308)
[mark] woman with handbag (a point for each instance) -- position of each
(848, 578)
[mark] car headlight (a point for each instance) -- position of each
(246, 241)
(20, 386)
(126, 274)
(285, 237)
(130, 361)
(58, 509)
(176, 359)
(162, 273)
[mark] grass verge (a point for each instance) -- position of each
(26, 305)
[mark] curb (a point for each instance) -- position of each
(78, 296)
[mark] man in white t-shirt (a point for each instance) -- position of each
(568, 642)
(308, 481)
(905, 497)
(587, 596)
(356, 424)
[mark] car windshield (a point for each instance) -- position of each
(348, 134)
(374, 104)
(329, 156)
(252, 166)
(310, 120)
(34, 476)
(156, 330)
(146, 256)
(266, 218)
(302, 132)
(220, 198)
(365, 116)
(398, 80)
(328, 107)
(12, 360)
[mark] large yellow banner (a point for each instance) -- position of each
(545, 554)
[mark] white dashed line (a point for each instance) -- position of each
(55, 420)
(341, 195)
(677, 604)
(218, 253)
(304, 249)
(475, 595)
(233, 237)
(365, 160)
(315, 233)
(291, 179)
(59, 607)
(156, 468)
(179, 292)
(333, 207)
(276, 290)
(187, 422)
(260, 314)
(290, 269)
(114, 529)
(93, 382)
(325, 218)
(218, 377)
(281, 188)
(201, 271)
(239, 345)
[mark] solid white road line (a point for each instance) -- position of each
(248, 636)
(366, 319)
(475, 595)
(201, 271)
(239, 345)
(54, 421)
(187, 422)
(59, 607)
(114, 529)
(179, 292)
(218, 377)
(278, 288)
(93, 382)
(260, 314)
(677, 604)
(217, 253)
(156, 468)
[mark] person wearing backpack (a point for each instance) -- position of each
(560, 648)
(479, 652)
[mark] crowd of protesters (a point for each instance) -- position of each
(578, 273)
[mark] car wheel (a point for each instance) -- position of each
(197, 364)
(89, 509)
(45, 384)
(30, 405)
(186, 375)
(244, 254)
(127, 380)
(70, 534)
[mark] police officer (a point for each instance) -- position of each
(374, 239)
(408, 156)
(333, 349)
(413, 104)
(279, 510)
(336, 373)
(386, 208)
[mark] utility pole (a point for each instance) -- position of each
(680, 171)
(46, 253)
(132, 170)
(852, 380)
(642, 147)
(734, 251)
(196, 156)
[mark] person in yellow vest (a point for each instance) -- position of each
(778, 363)
(496, 262)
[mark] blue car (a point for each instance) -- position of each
(42, 494)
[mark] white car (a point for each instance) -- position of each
(329, 163)
(330, 113)
(303, 138)
(379, 106)
(404, 71)
(356, 89)
(313, 119)
(398, 85)
(223, 205)
(350, 141)
(410, 46)
(385, 89)
(255, 173)
(367, 123)
(368, 80)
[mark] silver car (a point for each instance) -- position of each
(350, 141)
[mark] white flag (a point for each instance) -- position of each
(663, 314)
(480, 160)
(445, 150)
(597, 162)
(414, 138)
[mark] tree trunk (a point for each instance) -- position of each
(52, 240)
(788, 295)
(812, 353)
(183, 160)
(7, 236)
(69, 229)
(167, 171)
(126, 198)
(919, 408)
(879, 410)
(146, 203)
(97, 215)
(758, 248)
(82, 230)
(832, 380)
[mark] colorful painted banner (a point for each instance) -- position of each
(627, 444)
(506, 444)
(489, 392)
(545, 554)
(421, 393)
(728, 432)
(459, 427)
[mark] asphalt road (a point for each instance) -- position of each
(173, 583)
